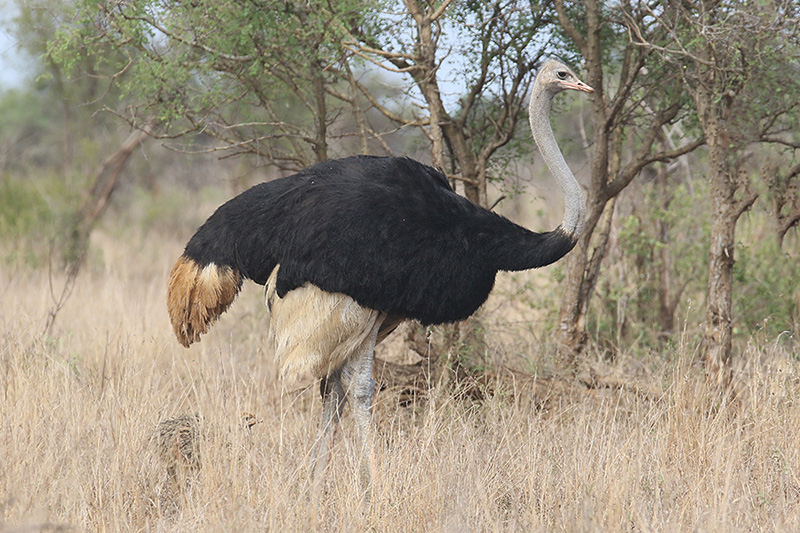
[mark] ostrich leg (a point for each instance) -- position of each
(333, 400)
(359, 388)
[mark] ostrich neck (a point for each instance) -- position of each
(574, 205)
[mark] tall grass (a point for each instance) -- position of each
(79, 405)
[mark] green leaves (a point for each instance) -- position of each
(215, 66)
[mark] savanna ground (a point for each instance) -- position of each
(539, 452)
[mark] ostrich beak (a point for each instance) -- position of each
(578, 86)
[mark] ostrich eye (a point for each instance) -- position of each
(562, 74)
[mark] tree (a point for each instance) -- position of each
(784, 186)
(260, 78)
(76, 100)
(739, 62)
(495, 55)
(636, 97)
(276, 79)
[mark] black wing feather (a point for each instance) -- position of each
(389, 232)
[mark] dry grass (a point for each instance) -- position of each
(78, 409)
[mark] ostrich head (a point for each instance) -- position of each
(556, 77)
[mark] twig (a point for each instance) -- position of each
(66, 291)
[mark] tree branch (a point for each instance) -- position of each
(778, 140)
(572, 31)
(439, 11)
(643, 157)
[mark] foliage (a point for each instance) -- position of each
(77, 97)
(256, 76)
(31, 211)
(655, 281)
(23, 209)
(496, 73)
(747, 55)
(767, 278)
(25, 128)
(657, 266)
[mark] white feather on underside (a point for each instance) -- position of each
(313, 331)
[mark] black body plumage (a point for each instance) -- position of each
(388, 232)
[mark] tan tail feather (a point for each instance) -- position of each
(197, 295)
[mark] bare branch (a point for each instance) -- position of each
(572, 31)
(403, 68)
(644, 157)
(778, 140)
(399, 119)
(630, 73)
(440, 10)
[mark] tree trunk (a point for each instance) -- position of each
(579, 281)
(724, 159)
(94, 205)
(98, 197)
(583, 270)
(719, 298)
(572, 335)
(668, 294)
(718, 325)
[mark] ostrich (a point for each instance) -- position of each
(178, 441)
(350, 248)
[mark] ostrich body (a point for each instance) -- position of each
(349, 248)
(178, 442)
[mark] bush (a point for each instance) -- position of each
(767, 279)
(31, 212)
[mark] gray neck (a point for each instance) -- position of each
(574, 204)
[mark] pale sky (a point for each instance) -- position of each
(11, 70)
